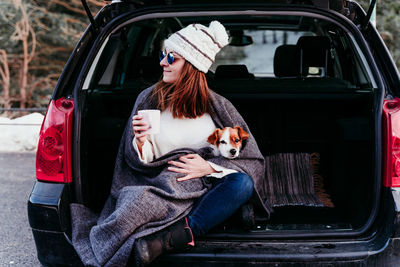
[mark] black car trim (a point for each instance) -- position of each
(149, 3)
(393, 76)
(379, 45)
(90, 16)
(74, 66)
(46, 193)
(54, 249)
(48, 207)
(338, 19)
(368, 16)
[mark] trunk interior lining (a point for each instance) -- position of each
(336, 122)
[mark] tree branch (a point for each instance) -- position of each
(67, 6)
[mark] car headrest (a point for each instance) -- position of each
(287, 61)
(238, 71)
(147, 67)
(314, 52)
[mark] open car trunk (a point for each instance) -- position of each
(321, 106)
(335, 125)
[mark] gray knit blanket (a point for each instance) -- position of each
(146, 198)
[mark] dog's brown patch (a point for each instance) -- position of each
(214, 137)
(242, 133)
(234, 138)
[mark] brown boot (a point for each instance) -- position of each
(175, 237)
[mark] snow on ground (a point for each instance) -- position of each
(20, 134)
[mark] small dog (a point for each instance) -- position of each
(228, 141)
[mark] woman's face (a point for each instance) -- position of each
(172, 71)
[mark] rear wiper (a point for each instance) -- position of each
(95, 29)
(369, 14)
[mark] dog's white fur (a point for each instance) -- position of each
(227, 141)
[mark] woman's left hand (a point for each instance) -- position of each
(193, 165)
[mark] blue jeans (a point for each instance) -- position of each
(220, 202)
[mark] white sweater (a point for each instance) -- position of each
(179, 133)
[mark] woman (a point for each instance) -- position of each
(183, 97)
(159, 197)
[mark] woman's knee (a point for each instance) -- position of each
(243, 183)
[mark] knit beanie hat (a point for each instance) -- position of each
(198, 44)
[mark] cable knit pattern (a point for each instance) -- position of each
(198, 44)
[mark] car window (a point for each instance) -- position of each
(258, 56)
(274, 47)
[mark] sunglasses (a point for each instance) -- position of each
(170, 57)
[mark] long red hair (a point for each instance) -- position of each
(188, 96)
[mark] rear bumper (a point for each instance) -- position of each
(54, 248)
(48, 214)
(49, 218)
(388, 256)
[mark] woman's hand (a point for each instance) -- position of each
(193, 165)
(140, 128)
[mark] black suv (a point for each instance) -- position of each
(307, 76)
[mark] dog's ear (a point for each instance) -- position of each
(242, 133)
(214, 137)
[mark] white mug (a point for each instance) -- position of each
(152, 117)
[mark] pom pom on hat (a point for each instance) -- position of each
(198, 44)
(219, 32)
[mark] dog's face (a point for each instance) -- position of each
(228, 140)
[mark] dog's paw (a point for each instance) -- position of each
(206, 152)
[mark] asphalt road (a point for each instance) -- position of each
(17, 176)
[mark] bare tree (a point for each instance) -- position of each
(39, 83)
(37, 37)
(76, 5)
(5, 78)
(24, 32)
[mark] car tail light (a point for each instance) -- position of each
(391, 137)
(53, 157)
